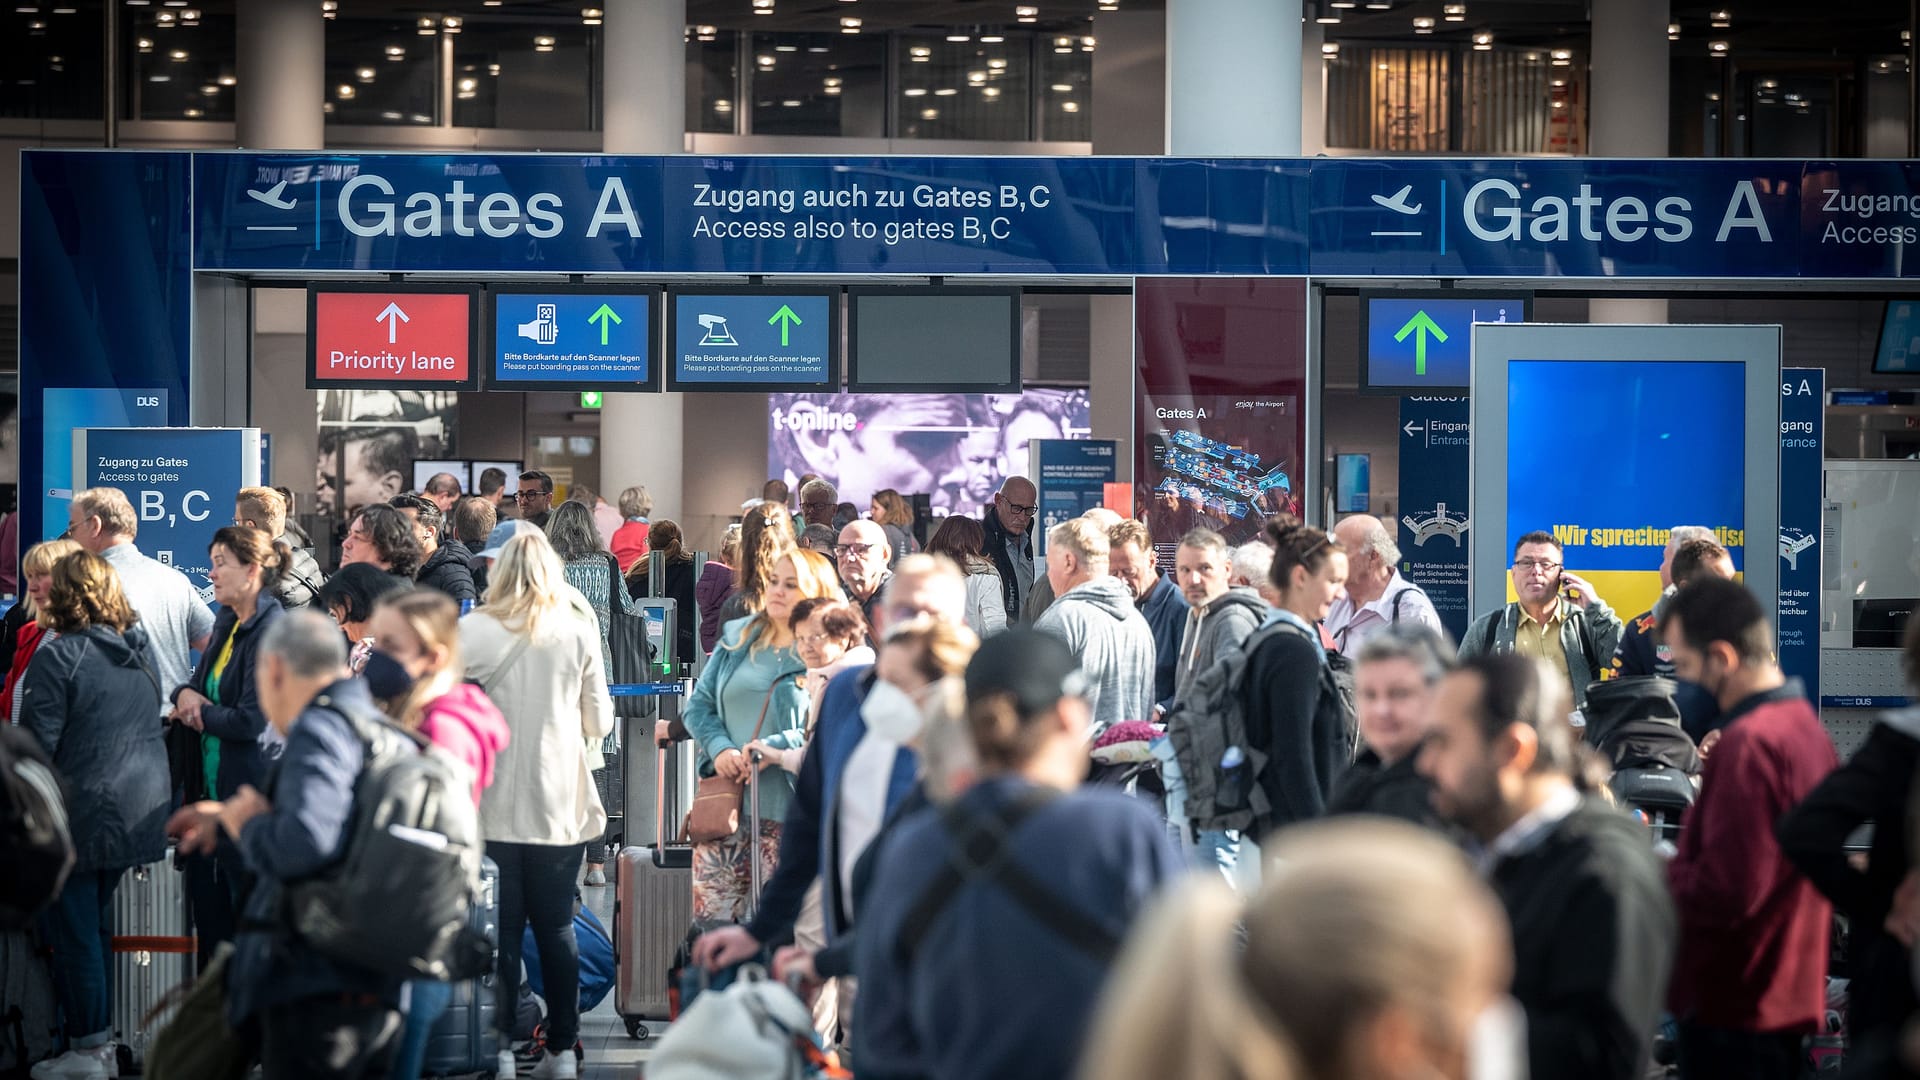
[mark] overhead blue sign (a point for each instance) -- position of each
(1526, 217)
(1802, 460)
(1435, 448)
(571, 340)
(1421, 342)
(754, 340)
(180, 481)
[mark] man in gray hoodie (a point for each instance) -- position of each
(1094, 614)
(1219, 617)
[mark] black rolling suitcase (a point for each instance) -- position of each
(464, 1039)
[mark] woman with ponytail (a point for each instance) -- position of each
(990, 964)
(219, 739)
(1306, 748)
(766, 533)
(1329, 972)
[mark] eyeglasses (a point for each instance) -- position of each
(523, 496)
(1529, 565)
(856, 550)
(1027, 511)
(814, 639)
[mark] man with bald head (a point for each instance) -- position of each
(1377, 596)
(1009, 525)
(863, 556)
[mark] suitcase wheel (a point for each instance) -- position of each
(637, 1029)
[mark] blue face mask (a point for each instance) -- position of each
(388, 678)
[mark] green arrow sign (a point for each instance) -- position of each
(604, 316)
(786, 320)
(1420, 326)
(590, 399)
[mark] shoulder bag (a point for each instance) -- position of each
(717, 800)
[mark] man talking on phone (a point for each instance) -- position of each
(1559, 617)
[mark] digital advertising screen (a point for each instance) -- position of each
(958, 340)
(1353, 483)
(1679, 458)
(1899, 350)
(1224, 463)
(390, 337)
(955, 448)
(574, 339)
(754, 340)
(1421, 342)
(424, 471)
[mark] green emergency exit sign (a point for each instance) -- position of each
(590, 399)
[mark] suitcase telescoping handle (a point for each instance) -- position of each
(665, 808)
(755, 872)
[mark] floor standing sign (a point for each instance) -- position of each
(1435, 447)
(1803, 396)
(1072, 475)
(180, 481)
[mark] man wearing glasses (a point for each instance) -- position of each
(1559, 617)
(1009, 526)
(863, 557)
(535, 497)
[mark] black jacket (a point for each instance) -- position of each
(997, 551)
(447, 570)
(1874, 786)
(234, 716)
(1593, 938)
(1304, 756)
(1395, 791)
(300, 581)
(89, 697)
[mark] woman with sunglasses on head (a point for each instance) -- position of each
(1305, 750)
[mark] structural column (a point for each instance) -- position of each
(1233, 78)
(1628, 111)
(643, 111)
(281, 47)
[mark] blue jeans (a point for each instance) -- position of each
(79, 926)
(427, 1001)
(536, 889)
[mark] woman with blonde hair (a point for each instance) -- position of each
(20, 631)
(753, 689)
(92, 699)
(1328, 972)
(892, 513)
(535, 649)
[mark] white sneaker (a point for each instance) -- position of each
(506, 1068)
(92, 1064)
(554, 1066)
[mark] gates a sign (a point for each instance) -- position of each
(391, 338)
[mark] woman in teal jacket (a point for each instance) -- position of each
(753, 687)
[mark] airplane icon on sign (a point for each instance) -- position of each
(1397, 204)
(274, 196)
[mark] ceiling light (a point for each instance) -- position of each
(1423, 24)
(344, 92)
(1483, 41)
(959, 39)
(1721, 19)
(977, 78)
(706, 33)
(1719, 48)
(1069, 106)
(1027, 13)
(929, 114)
(226, 80)
(592, 15)
(945, 91)
(1906, 37)
(493, 69)
(195, 114)
(764, 60)
(164, 19)
(1379, 5)
(1454, 12)
(139, 3)
(992, 39)
(427, 27)
(990, 92)
(1327, 17)
(395, 52)
(329, 8)
(996, 65)
(786, 48)
(831, 81)
(177, 55)
(364, 74)
(915, 91)
(452, 24)
(1062, 88)
(36, 25)
(1562, 57)
(1086, 44)
(543, 43)
(159, 78)
(763, 7)
(723, 105)
(191, 15)
(1063, 44)
(849, 25)
(210, 90)
(790, 103)
(919, 54)
(144, 44)
(1329, 48)
(1349, 4)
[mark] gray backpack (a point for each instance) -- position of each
(1211, 718)
(397, 900)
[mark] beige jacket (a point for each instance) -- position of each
(554, 696)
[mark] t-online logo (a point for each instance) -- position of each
(814, 418)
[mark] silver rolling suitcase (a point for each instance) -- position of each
(153, 952)
(653, 896)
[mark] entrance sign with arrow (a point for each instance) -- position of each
(391, 337)
(753, 339)
(1417, 342)
(583, 339)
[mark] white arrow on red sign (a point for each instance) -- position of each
(393, 317)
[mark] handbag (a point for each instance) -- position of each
(717, 800)
(198, 1043)
(628, 649)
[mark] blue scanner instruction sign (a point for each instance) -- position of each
(1421, 342)
(751, 340)
(568, 340)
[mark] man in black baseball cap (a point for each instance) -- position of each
(1024, 872)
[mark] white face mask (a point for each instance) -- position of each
(1497, 1048)
(891, 713)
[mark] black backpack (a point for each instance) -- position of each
(1336, 706)
(35, 844)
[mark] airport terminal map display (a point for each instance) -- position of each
(1223, 463)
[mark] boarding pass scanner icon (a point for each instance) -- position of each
(545, 327)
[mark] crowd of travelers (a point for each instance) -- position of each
(1028, 806)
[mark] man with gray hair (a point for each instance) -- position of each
(1377, 596)
(1219, 615)
(1680, 535)
(1094, 615)
(817, 502)
(317, 1015)
(1251, 567)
